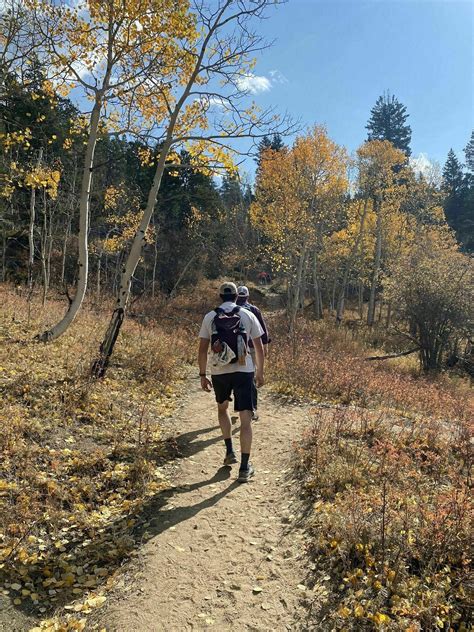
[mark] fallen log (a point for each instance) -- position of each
(394, 355)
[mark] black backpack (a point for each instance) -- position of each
(228, 328)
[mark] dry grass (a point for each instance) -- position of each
(386, 472)
(324, 365)
(389, 514)
(79, 458)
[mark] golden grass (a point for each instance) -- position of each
(79, 457)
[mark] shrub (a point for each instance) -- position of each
(389, 519)
(431, 287)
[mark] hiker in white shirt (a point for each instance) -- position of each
(227, 330)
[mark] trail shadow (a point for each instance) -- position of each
(99, 549)
(161, 519)
(185, 445)
(222, 474)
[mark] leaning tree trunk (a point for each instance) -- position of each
(68, 224)
(376, 274)
(75, 304)
(99, 366)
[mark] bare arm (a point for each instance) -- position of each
(206, 384)
(260, 360)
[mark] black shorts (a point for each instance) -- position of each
(240, 383)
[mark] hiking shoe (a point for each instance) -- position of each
(230, 459)
(254, 416)
(246, 475)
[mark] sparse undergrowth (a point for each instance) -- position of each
(389, 512)
(386, 476)
(324, 366)
(79, 458)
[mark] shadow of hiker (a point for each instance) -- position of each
(184, 445)
(167, 518)
(222, 474)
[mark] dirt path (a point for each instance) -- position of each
(215, 540)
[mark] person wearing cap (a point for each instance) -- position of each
(243, 296)
(233, 378)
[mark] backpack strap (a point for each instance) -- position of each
(220, 312)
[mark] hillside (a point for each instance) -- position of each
(97, 474)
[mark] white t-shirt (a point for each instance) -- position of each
(252, 327)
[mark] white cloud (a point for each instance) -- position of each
(277, 76)
(253, 83)
(218, 102)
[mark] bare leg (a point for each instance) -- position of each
(224, 419)
(245, 431)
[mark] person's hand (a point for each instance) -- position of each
(206, 384)
(259, 379)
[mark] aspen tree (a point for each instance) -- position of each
(108, 50)
(297, 195)
(205, 107)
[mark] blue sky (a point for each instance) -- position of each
(332, 59)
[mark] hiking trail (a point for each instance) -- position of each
(214, 542)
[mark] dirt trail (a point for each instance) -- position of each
(215, 540)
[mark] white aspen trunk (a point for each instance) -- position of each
(63, 257)
(83, 272)
(295, 294)
(31, 229)
(99, 366)
(317, 292)
(106, 270)
(4, 255)
(347, 269)
(155, 264)
(50, 244)
(376, 274)
(99, 264)
(68, 225)
(44, 246)
(361, 300)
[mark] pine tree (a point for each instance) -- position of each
(469, 153)
(275, 143)
(453, 176)
(388, 122)
(459, 202)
